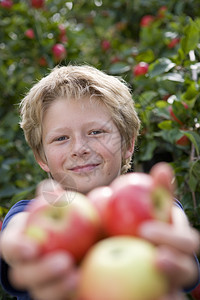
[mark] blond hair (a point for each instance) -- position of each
(76, 82)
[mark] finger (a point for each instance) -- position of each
(174, 295)
(180, 268)
(163, 175)
(64, 288)
(167, 234)
(17, 249)
(41, 271)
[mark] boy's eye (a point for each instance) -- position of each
(95, 132)
(62, 138)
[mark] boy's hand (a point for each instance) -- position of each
(51, 277)
(176, 242)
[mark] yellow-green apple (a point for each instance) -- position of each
(69, 223)
(135, 199)
(121, 268)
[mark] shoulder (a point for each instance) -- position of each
(15, 209)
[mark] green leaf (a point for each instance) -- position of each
(191, 37)
(194, 138)
(119, 68)
(160, 66)
(147, 56)
(149, 149)
(165, 125)
(171, 77)
(194, 175)
(147, 97)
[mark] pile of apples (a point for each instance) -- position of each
(102, 233)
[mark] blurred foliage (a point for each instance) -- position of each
(111, 36)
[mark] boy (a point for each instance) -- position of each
(81, 125)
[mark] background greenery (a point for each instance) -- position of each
(111, 36)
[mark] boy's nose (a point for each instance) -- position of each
(80, 148)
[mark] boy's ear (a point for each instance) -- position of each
(129, 151)
(41, 163)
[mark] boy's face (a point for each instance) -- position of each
(82, 145)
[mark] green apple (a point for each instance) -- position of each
(121, 268)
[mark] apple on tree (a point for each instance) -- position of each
(140, 69)
(147, 20)
(30, 33)
(173, 115)
(6, 3)
(37, 3)
(121, 268)
(105, 45)
(59, 51)
(183, 141)
(68, 222)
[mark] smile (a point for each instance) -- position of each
(84, 168)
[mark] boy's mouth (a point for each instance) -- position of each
(84, 168)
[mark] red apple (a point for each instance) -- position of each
(121, 268)
(183, 141)
(30, 33)
(147, 20)
(196, 293)
(174, 117)
(105, 45)
(162, 11)
(37, 3)
(100, 197)
(173, 43)
(59, 52)
(62, 35)
(6, 3)
(69, 223)
(140, 69)
(135, 200)
(42, 61)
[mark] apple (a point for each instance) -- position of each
(42, 61)
(99, 198)
(174, 117)
(30, 33)
(62, 35)
(147, 20)
(121, 268)
(162, 11)
(140, 69)
(68, 222)
(135, 199)
(196, 293)
(6, 3)
(59, 52)
(183, 141)
(105, 45)
(173, 43)
(37, 3)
